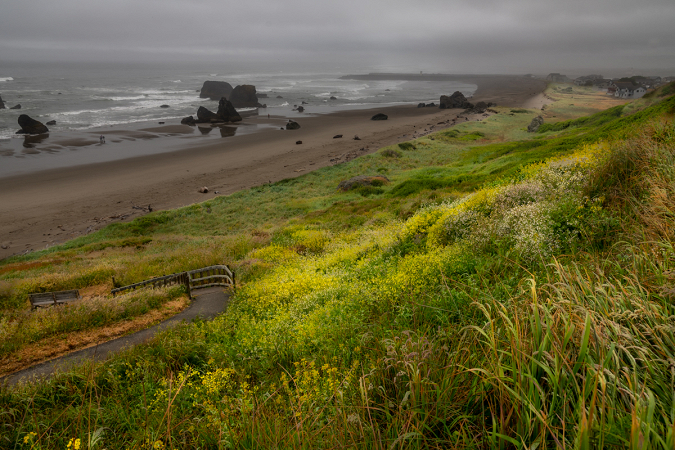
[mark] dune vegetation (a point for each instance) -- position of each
(504, 290)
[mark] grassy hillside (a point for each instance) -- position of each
(503, 290)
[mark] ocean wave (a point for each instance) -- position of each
(175, 81)
(6, 79)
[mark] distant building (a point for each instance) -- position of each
(587, 80)
(626, 89)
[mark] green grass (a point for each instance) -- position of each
(536, 313)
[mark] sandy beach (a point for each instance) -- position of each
(44, 208)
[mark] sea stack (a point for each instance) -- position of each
(215, 90)
(244, 96)
(227, 112)
(2, 104)
(31, 126)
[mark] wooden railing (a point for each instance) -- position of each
(220, 275)
(210, 276)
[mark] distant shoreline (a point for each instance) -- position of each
(45, 208)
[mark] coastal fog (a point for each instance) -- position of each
(463, 36)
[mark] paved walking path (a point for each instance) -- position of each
(206, 305)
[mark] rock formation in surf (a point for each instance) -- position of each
(244, 96)
(31, 126)
(2, 104)
(215, 90)
(206, 116)
(227, 112)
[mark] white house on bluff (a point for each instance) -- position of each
(625, 89)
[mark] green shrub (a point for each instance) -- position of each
(407, 146)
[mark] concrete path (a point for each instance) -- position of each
(207, 304)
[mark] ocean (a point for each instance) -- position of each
(86, 96)
(87, 99)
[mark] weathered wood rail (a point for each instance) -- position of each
(52, 298)
(219, 275)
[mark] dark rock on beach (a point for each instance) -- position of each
(215, 90)
(16, 107)
(291, 125)
(456, 100)
(421, 105)
(244, 96)
(51, 122)
(189, 120)
(301, 109)
(379, 116)
(337, 136)
(31, 126)
(362, 180)
(206, 116)
(533, 127)
(227, 112)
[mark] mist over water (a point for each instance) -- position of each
(80, 96)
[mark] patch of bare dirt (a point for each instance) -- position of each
(59, 345)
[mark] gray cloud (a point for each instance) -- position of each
(458, 35)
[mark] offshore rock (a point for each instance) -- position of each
(533, 127)
(215, 90)
(16, 107)
(51, 122)
(456, 100)
(244, 96)
(31, 126)
(2, 104)
(226, 111)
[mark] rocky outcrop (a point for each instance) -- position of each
(226, 111)
(332, 97)
(215, 90)
(291, 125)
(16, 107)
(189, 120)
(51, 122)
(379, 116)
(164, 106)
(361, 180)
(244, 96)
(206, 116)
(533, 127)
(2, 104)
(456, 100)
(31, 126)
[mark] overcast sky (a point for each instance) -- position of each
(454, 36)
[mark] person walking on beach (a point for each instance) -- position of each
(102, 139)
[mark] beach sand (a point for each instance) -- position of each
(41, 209)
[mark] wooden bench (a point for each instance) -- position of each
(52, 298)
